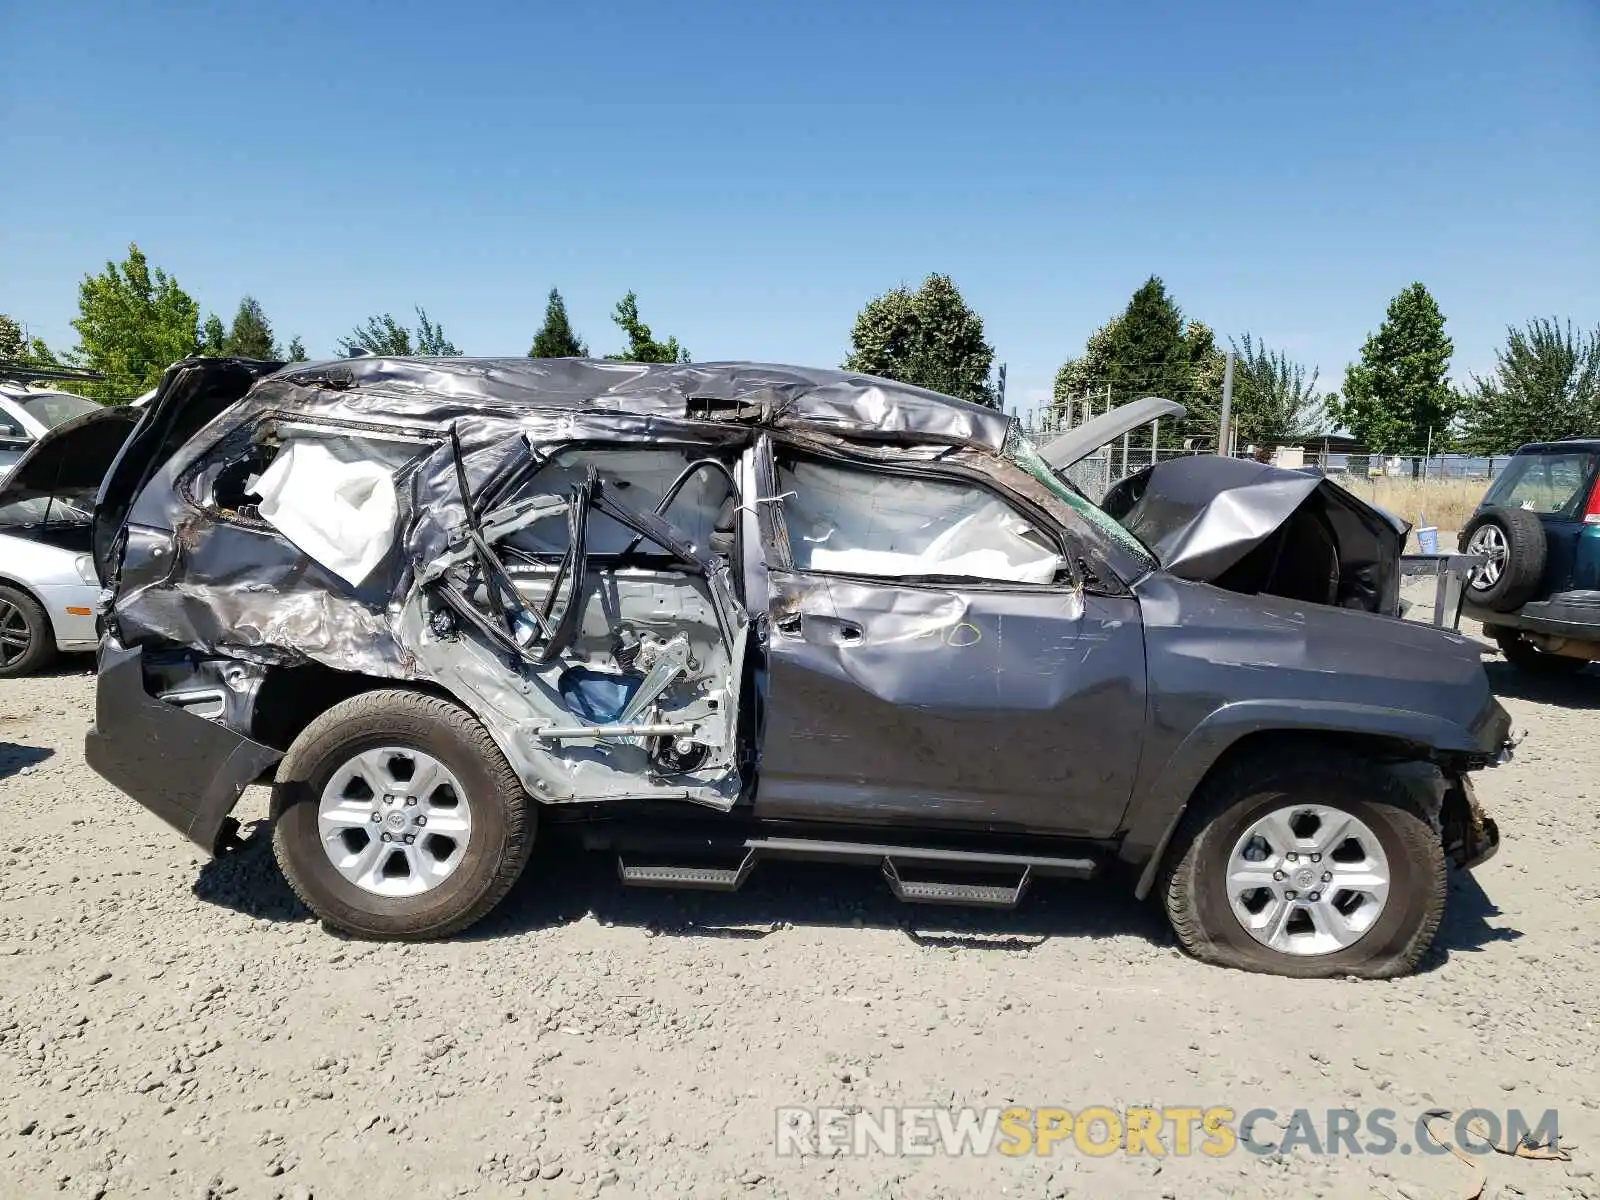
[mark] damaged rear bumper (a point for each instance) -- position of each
(187, 770)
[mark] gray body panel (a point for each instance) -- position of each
(1086, 708)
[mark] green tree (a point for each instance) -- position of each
(133, 323)
(1397, 398)
(555, 338)
(431, 339)
(297, 349)
(213, 337)
(386, 336)
(1149, 352)
(929, 338)
(251, 334)
(1085, 376)
(1273, 399)
(1545, 386)
(642, 346)
(1148, 349)
(17, 348)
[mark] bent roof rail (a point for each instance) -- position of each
(839, 402)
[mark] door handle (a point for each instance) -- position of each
(788, 626)
(849, 634)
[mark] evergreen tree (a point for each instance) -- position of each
(555, 338)
(1150, 355)
(297, 349)
(642, 346)
(1149, 349)
(929, 338)
(213, 337)
(1397, 398)
(251, 334)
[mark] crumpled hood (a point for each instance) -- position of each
(1201, 515)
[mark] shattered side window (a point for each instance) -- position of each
(1019, 450)
(849, 521)
(331, 493)
(640, 478)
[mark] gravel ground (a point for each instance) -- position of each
(176, 1027)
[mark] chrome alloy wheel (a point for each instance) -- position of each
(1489, 541)
(394, 821)
(1307, 879)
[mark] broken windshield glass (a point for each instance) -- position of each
(1019, 450)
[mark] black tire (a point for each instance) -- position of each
(502, 815)
(1194, 891)
(1525, 656)
(22, 620)
(1522, 567)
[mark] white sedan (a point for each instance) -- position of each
(48, 586)
(27, 415)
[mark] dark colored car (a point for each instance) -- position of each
(1538, 528)
(706, 615)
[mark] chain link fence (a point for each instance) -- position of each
(1095, 475)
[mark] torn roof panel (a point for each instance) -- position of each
(840, 402)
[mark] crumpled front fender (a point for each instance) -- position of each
(1155, 816)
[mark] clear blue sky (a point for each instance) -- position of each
(757, 171)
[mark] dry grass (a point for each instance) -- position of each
(1443, 503)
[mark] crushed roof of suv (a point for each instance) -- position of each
(841, 402)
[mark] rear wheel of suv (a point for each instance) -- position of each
(398, 817)
(27, 643)
(1312, 865)
(1525, 656)
(1513, 545)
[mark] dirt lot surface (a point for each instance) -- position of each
(175, 1027)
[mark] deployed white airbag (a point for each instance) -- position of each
(859, 523)
(342, 514)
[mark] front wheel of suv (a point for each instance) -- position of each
(398, 817)
(1314, 865)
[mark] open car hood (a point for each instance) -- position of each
(74, 456)
(1255, 528)
(1078, 443)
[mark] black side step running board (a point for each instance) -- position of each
(907, 869)
(711, 879)
(931, 891)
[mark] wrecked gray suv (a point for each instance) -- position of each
(706, 615)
